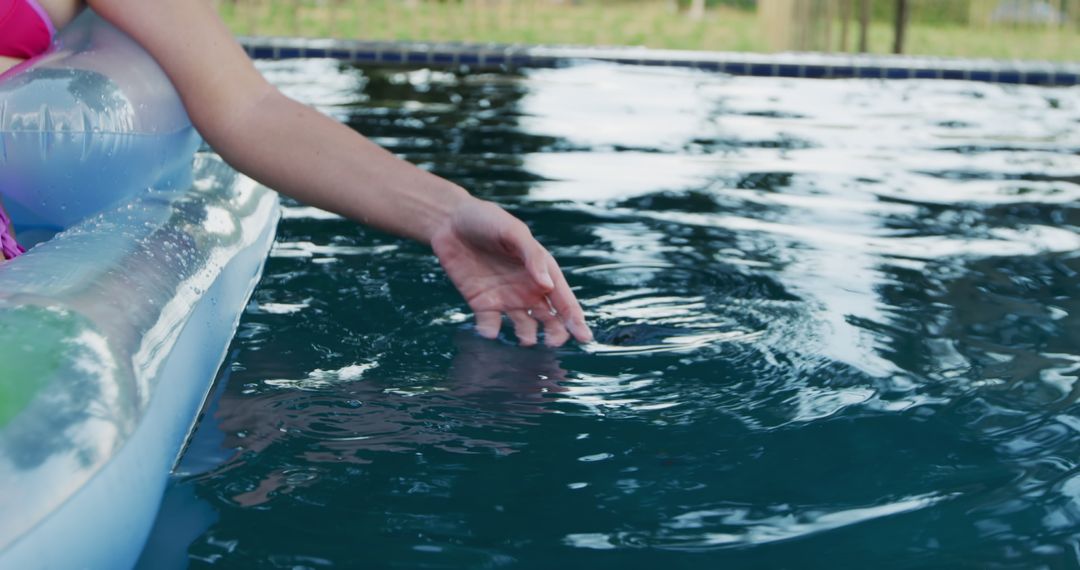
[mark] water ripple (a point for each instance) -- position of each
(744, 526)
(836, 322)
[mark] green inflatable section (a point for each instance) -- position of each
(33, 344)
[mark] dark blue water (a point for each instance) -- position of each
(838, 326)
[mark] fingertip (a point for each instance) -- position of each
(558, 340)
(555, 340)
(555, 334)
(581, 331)
(488, 324)
(524, 327)
(576, 328)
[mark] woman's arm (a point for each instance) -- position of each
(285, 145)
(489, 255)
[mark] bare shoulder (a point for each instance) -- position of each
(214, 76)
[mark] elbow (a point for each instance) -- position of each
(224, 124)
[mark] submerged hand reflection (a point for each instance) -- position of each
(491, 392)
(502, 377)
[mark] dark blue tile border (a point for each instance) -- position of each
(734, 67)
(1038, 78)
(788, 70)
(545, 62)
(261, 52)
(288, 53)
(797, 65)
(1009, 76)
(760, 69)
(342, 54)
(842, 72)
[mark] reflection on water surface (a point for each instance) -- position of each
(835, 326)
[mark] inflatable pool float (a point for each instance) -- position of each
(113, 326)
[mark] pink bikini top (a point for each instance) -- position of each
(25, 29)
(9, 248)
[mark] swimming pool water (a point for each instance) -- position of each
(838, 326)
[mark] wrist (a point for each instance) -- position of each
(449, 201)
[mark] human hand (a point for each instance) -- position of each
(497, 265)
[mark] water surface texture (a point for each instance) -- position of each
(838, 326)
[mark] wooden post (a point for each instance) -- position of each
(798, 26)
(900, 26)
(697, 9)
(254, 10)
(775, 18)
(825, 42)
(294, 18)
(845, 16)
(864, 25)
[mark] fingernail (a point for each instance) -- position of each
(580, 332)
(586, 331)
(545, 280)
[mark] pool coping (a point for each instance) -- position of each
(809, 65)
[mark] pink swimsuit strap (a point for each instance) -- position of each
(25, 29)
(9, 248)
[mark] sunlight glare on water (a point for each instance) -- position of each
(834, 327)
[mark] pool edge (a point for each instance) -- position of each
(805, 65)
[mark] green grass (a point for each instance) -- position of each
(650, 23)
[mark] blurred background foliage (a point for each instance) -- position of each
(1006, 29)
